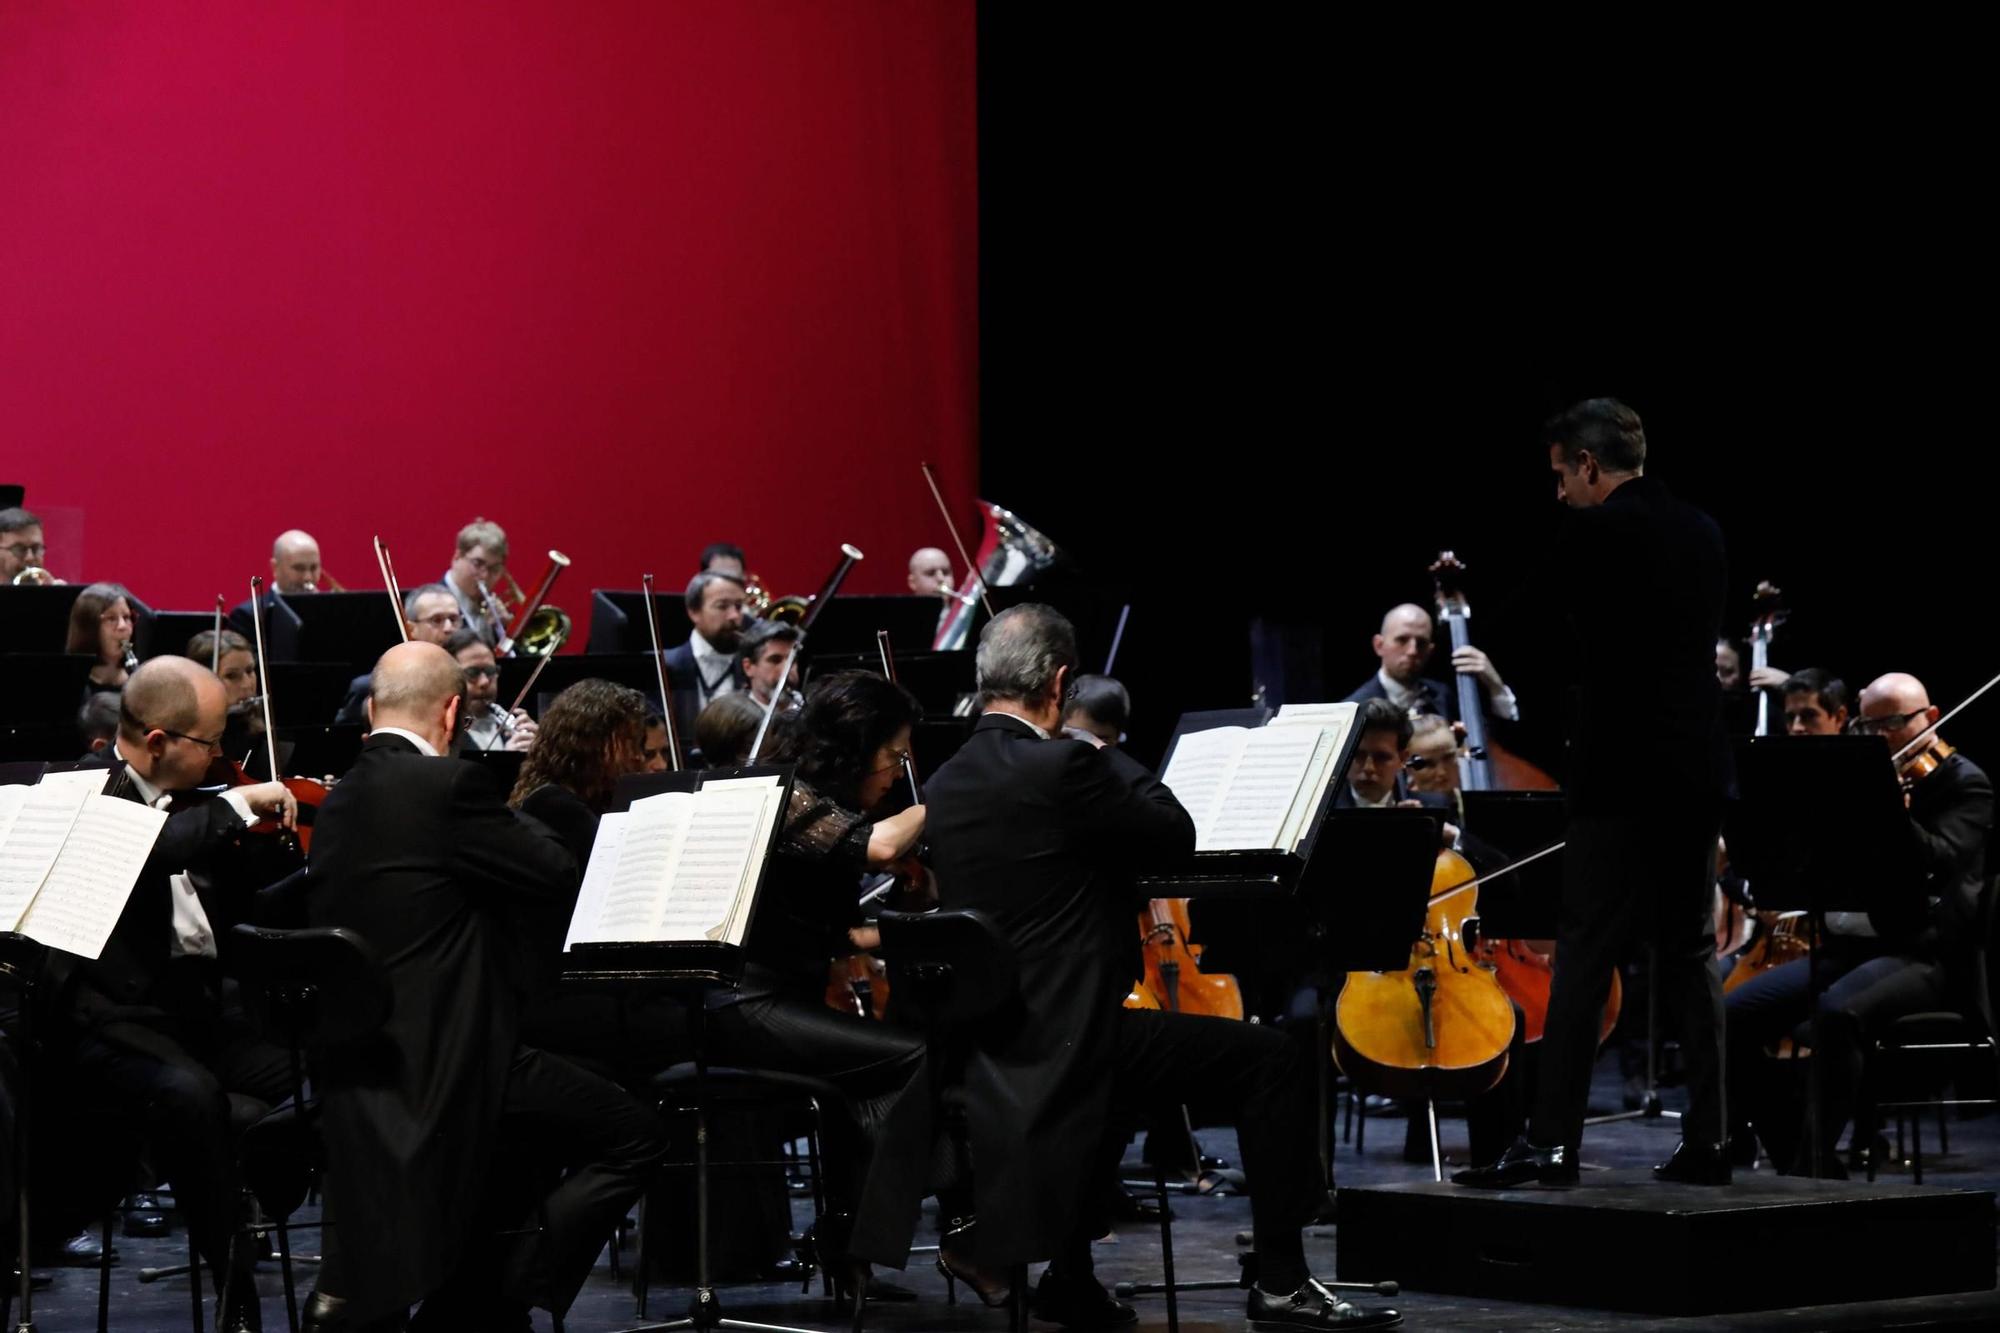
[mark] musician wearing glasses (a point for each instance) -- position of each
(474, 573)
(488, 725)
(101, 625)
(1909, 956)
(22, 549)
(430, 615)
(142, 1028)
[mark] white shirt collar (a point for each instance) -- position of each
(423, 746)
(1398, 693)
(994, 712)
(148, 793)
(1363, 803)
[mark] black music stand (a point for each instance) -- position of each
(35, 619)
(690, 971)
(1820, 827)
(33, 679)
(618, 621)
(351, 627)
(849, 622)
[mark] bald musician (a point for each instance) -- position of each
(420, 855)
(142, 1027)
(931, 576)
(1908, 956)
(295, 568)
(1403, 646)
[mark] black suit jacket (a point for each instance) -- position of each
(421, 856)
(1951, 818)
(684, 679)
(1643, 581)
(124, 982)
(1044, 838)
(1438, 698)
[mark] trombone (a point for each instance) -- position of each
(531, 627)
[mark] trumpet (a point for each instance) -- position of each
(503, 645)
(34, 576)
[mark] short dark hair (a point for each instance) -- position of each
(697, 588)
(714, 549)
(1606, 427)
(462, 639)
(202, 646)
(1103, 699)
(98, 718)
(1831, 689)
(725, 728)
(13, 520)
(847, 717)
(763, 632)
(425, 590)
(1381, 715)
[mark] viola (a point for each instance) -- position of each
(1438, 1028)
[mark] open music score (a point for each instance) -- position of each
(678, 866)
(69, 857)
(1258, 788)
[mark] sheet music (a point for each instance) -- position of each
(1318, 772)
(705, 900)
(1262, 789)
(1200, 770)
(597, 878)
(11, 799)
(34, 839)
(89, 781)
(1339, 716)
(771, 811)
(651, 846)
(85, 892)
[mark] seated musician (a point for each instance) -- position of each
(1815, 703)
(1100, 706)
(236, 666)
(930, 572)
(101, 625)
(653, 755)
(722, 558)
(727, 728)
(488, 726)
(430, 615)
(1904, 957)
(765, 650)
(480, 557)
(708, 665)
(97, 721)
(1040, 835)
(1404, 646)
(295, 568)
(143, 1027)
(22, 548)
(421, 857)
(1431, 764)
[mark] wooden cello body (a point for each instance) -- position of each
(1173, 979)
(1438, 1028)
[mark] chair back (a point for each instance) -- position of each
(958, 964)
(322, 984)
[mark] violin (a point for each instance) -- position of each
(1439, 1028)
(308, 793)
(1914, 768)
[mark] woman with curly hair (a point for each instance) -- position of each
(592, 735)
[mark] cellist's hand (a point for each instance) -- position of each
(1768, 678)
(272, 800)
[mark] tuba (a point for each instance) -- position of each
(1011, 551)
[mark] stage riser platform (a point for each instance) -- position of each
(1622, 1241)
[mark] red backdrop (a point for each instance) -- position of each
(624, 276)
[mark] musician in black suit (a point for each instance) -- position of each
(1913, 953)
(1404, 645)
(1043, 835)
(295, 568)
(430, 615)
(1643, 576)
(143, 1026)
(709, 664)
(420, 856)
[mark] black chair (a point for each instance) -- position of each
(1914, 1058)
(954, 971)
(323, 987)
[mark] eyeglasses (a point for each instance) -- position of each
(442, 620)
(482, 564)
(902, 757)
(482, 673)
(1876, 726)
(25, 551)
(215, 744)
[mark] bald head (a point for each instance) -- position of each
(930, 571)
(1897, 708)
(1404, 643)
(170, 721)
(418, 686)
(295, 562)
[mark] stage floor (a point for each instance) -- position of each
(1204, 1247)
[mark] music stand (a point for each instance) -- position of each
(849, 622)
(690, 971)
(566, 669)
(1820, 827)
(351, 627)
(618, 619)
(36, 619)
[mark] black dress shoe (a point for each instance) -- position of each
(1313, 1306)
(83, 1250)
(1692, 1165)
(1520, 1164)
(1080, 1303)
(144, 1217)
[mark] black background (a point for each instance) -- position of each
(1267, 322)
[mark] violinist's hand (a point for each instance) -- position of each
(1470, 661)
(272, 800)
(1450, 832)
(896, 836)
(1768, 678)
(523, 737)
(864, 938)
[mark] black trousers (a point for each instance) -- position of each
(1862, 987)
(878, 1144)
(1641, 878)
(552, 1113)
(176, 1075)
(1226, 1072)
